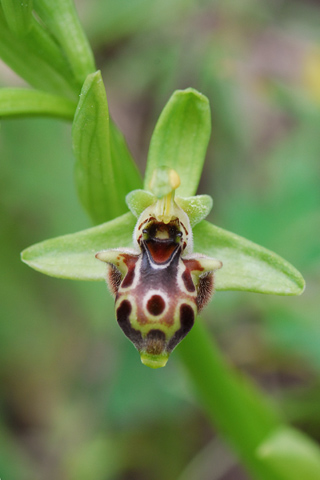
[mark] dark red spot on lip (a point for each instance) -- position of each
(156, 305)
(186, 321)
(187, 280)
(193, 265)
(128, 279)
(186, 317)
(123, 314)
(184, 228)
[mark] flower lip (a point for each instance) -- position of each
(160, 251)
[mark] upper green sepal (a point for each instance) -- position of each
(180, 139)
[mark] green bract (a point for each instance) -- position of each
(179, 141)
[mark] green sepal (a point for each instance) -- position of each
(73, 256)
(18, 102)
(246, 265)
(105, 171)
(290, 455)
(180, 139)
(18, 14)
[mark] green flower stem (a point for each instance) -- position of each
(233, 406)
(18, 102)
(36, 59)
(62, 20)
(18, 15)
(250, 424)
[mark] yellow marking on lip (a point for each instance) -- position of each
(154, 361)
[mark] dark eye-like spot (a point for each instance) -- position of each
(186, 321)
(156, 305)
(123, 313)
(187, 280)
(128, 279)
(186, 317)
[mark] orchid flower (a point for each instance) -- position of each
(159, 257)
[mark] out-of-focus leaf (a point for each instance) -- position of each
(37, 59)
(180, 139)
(295, 329)
(290, 455)
(17, 102)
(62, 20)
(18, 15)
(110, 21)
(105, 171)
(73, 256)
(246, 265)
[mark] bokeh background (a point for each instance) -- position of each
(75, 402)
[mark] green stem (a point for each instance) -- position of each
(234, 406)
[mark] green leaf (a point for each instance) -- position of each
(180, 139)
(246, 265)
(37, 59)
(105, 171)
(291, 455)
(17, 102)
(18, 15)
(62, 20)
(73, 256)
(240, 411)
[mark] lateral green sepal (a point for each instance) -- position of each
(246, 265)
(73, 256)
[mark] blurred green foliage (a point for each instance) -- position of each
(75, 402)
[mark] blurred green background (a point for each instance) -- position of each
(75, 401)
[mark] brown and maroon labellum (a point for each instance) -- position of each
(159, 288)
